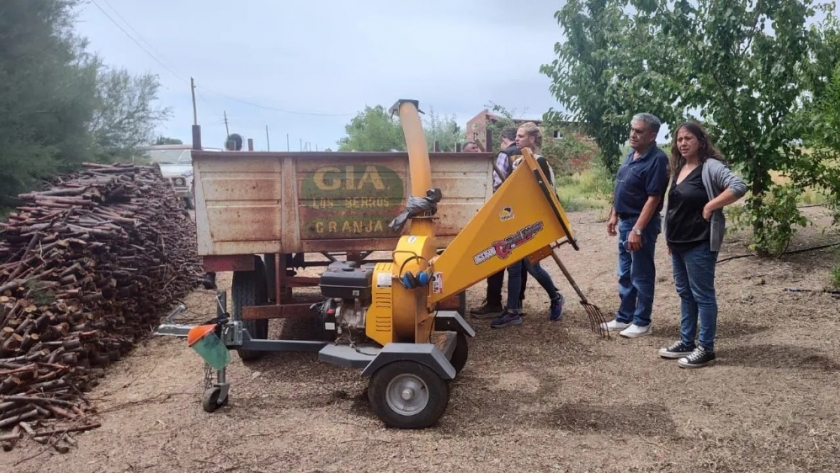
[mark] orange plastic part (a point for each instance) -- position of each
(198, 332)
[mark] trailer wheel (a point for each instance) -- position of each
(408, 395)
(460, 354)
(249, 288)
(210, 401)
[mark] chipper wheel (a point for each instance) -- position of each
(460, 354)
(249, 288)
(408, 395)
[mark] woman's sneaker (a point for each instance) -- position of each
(506, 319)
(555, 310)
(677, 350)
(697, 359)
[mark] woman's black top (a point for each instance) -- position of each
(686, 227)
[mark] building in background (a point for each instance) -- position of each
(477, 127)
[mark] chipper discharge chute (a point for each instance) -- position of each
(382, 318)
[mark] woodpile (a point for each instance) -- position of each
(87, 268)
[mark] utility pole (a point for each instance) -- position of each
(287, 143)
(227, 131)
(192, 90)
(267, 140)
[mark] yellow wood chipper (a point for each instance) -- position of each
(383, 317)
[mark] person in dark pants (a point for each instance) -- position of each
(702, 185)
(493, 302)
(529, 136)
(641, 183)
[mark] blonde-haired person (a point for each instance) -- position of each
(701, 186)
(528, 135)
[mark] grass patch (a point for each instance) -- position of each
(589, 189)
(835, 276)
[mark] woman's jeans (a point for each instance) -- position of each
(514, 303)
(694, 278)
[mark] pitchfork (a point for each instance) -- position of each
(597, 321)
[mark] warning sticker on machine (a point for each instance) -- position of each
(503, 248)
(383, 280)
(437, 283)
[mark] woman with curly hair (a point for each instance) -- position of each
(701, 186)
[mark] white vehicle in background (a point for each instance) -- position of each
(175, 163)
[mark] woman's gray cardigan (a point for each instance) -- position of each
(716, 178)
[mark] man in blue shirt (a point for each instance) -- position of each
(641, 183)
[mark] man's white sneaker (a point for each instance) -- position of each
(614, 326)
(634, 331)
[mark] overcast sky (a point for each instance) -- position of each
(306, 67)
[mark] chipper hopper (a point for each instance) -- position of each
(382, 317)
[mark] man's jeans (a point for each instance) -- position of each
(637, 273)
(694, 278)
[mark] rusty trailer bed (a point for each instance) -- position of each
(252, 203)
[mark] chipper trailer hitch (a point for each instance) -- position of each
(382, 317)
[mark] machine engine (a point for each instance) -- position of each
(347, 288)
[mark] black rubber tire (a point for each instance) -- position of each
(460, 354)
(462, 304)
(210, 400)
(249, 288)
(436, 387)
(270, 280)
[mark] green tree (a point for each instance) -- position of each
(746, 66)
(443, 129)
(47, 92)
(744, 69)
(165, 140)
(372, 130)
(60, 105)
(126, 115)
(609, 67)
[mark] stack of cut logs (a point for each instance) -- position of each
(87, 267)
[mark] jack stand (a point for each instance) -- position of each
(216, 394)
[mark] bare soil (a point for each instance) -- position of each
(543, 396)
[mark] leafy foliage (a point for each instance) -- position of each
(165, 140)
(443, 129)
(372, 130)
(47, 90)
(571, 154)
(61, 106)
(610, 67)
(375, 130)
(125, 115)
(744, 69)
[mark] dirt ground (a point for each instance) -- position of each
(542, 396)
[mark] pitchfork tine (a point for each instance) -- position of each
(596, 317)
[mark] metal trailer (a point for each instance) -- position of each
(384, 317)
(263, 215)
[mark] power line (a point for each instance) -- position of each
(274, 109)
(136, 42)
(144, 40)
(161, 62)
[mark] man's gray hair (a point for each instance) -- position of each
(509, 133)
(651, 120)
